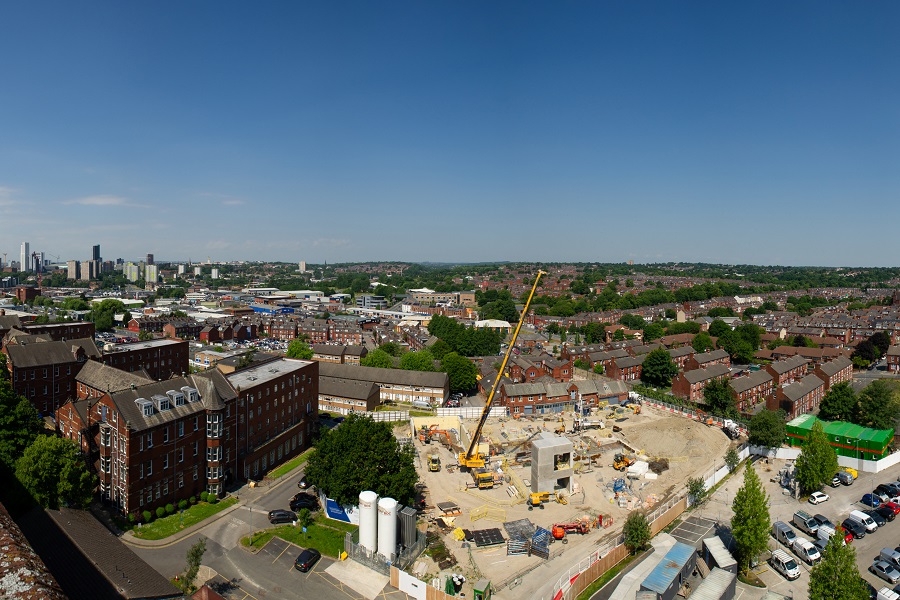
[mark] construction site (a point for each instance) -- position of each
(502, 495)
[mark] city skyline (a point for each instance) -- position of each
(460, 133)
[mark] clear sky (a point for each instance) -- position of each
(751, 132)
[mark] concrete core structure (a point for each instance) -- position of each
(551, 463)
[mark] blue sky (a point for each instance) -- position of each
(764, 132)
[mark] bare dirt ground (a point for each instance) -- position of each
(691, 448)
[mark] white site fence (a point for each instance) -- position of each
(471, 412)
(690, 413)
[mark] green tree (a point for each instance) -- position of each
(103, 314)
(598, 368)
(417, 361)
(718, 327)
(866, 352)
(636, 531)
(751, 522)
(658, 368)
(839, 403)
(144, 336)
(653, 331)
(4, 371)
(439, 349)
(392, 348)
(718, 399)
(194, 557)
(362, 455)
(462, 372)
(53, 471)
(304, 517)
(702, 342)
(377, 358)
(836, 576)
(731, 459)
(882, 341)
(878, 406)
(20, 423)
(767, 429)
(504, 310)
(817, 462)
(299, 349)
(696, 489)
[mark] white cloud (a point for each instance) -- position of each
(100, 200)
(6, 196)
(232, 202)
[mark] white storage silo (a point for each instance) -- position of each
(387, 527)
(368, 520)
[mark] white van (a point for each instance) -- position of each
(887, 594)
(784, 564)
(805, 550)
(864, 520)
(421, 404)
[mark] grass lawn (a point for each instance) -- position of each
(290, 465)
(605, 578)
(324, 535)
(163, 528)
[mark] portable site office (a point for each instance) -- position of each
(847, 439)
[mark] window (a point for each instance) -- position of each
(195, 472)
(166, 460)
(214, 454)
(104, 436)
(196, 448)
(150, 438)
(165, 435)
(196, 423)
(104, 464)
(150, 468)
(180, 427)
(213, 425)
(181, 455)
(180, 481)
(140, 443)
(166, 486)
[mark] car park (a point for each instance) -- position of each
(307, 559)
(818, 498)
(892, 557)
(884, 570)
(281, 516)
(871, 500)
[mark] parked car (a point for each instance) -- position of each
(871, 500)
(818, 498)
(307, 559)
(307, 501)
(281, 516)
(894, 506)
(835, 481)
(882, 569)
(303, 483)
(873, 514)
(854, 528)
(885, 512)
(845, 477)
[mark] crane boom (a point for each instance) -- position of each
(471, 458)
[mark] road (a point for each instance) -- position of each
(244, 575)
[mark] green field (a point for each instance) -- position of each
(163, 528)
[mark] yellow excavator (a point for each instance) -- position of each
(472, 459)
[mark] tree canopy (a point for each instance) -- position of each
(461, 371)
(878, 406)
(817, 462)
(702, 342)
(362, 455)
(299, 349)
(718, 399)
(53, 471)
(377, 358)
(20, 423)
(658, 368)
(103, 314)
(466, 341)
(839, 403)
(836, 576)
(636, 531)
(751, 522)
(417, 361)
(767, 429)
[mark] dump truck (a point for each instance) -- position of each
(434, 463)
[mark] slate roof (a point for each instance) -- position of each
(798, 389)
(893, 351)
(711, 372)
(742, 384)
(327, 349)
(49, 353)
(102, 377)
(835, 366)
(783, 366)
(525, 389)
(710, 356)
(624, 363)
(10, 321)
(89, 561)
(22, 572)
(681, 351)
(347, 388)
(601, 387)
(388, 376)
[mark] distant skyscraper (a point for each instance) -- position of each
(151, 274)
(25, 257)
(132, 273)
(303, 266)
(149, 259)
(96, 254)
(215, 273)
(181, 269)
(73, 269)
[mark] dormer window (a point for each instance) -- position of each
(162, 402)
(177, 398)
(146, 406)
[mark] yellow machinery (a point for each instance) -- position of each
(434, 463)
(471, 458)
(538, 499)
(483, 478)
(622, 462)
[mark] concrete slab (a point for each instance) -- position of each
(631, 582)
(361, 579)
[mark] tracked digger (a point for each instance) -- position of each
(472, 460)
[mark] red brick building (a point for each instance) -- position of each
(183, 330)
(835, 371)
(785, 372)
(690, 384)
(626, 369)
(893, 359)
(707, 359)
(161, 359)
(752, 389)
(681, 355)
(800, 397)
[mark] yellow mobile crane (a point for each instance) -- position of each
(471, 458)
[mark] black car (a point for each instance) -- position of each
(879, 520)
(281, 516)
(307, 559)
(307, 501)
(303, 483)
(886, 513)
(855, 528)
(823, 520)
